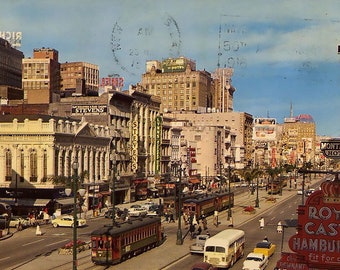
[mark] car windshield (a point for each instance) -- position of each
(256, 259)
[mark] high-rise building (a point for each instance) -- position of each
(299, 138)
(10, 71)
(223, 93)
(41, 77)
(79, 78)
(178, 83)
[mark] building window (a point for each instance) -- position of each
(45, 166)
(8, 157)
(33, 166)
(22, 166)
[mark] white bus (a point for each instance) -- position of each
(225, 248)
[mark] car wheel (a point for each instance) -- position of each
(55, 225)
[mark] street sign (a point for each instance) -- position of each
(331, 148)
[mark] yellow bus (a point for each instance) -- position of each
(225, 248)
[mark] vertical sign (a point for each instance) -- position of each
(158, 143)
(134, 156)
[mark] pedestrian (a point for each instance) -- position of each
(171, 217)
(38, 231)
(216, 218)
(199, 230)
(204, 222)
(261, 221)
(231, 224)
(279, 227)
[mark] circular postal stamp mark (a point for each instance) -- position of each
(132, 45)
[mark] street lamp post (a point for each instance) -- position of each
(75, 217)
(229, 205)
(114, 171)
(257, 201)
(221, 177)
(75, 220)
(179, 240)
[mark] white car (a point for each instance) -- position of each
(67, 221)
(198, 246)
(255, 261)
(137, 212)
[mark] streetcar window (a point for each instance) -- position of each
(94, 244)
(100, 243)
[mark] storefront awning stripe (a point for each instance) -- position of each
(65, 201)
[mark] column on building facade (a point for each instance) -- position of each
(51, 166)
(60, 161)
(40, 162)
(15, 162)
(2, 168)
(86, 163)
(91, 165)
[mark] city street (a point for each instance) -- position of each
(42, 250)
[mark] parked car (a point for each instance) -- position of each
(108, 213)
(255, 261)
(4, 222)
(265, 247)
(147, 205)
(137, 212)
(203, 266)
(16, 220)
(198, 246)
(67, 221)
(154, 210)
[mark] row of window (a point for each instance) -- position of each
(33, 166)
(138, 234)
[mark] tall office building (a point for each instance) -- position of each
(178, 83)
(41, 77)
(79, 78)
(223, 93)
(10, 71)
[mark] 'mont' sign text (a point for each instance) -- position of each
(331, 149)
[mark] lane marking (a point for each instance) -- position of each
(54, 243)
(31, 243)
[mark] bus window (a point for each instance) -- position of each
(210, 248)
(220, 249)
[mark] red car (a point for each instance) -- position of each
(203, 266)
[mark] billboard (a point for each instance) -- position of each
(14, 38)
(115, 82)
(264, 129)
(174, 65)
(89, 109)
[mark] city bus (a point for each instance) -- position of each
(225, 248)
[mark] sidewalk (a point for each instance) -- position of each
(174, 252)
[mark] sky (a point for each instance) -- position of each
(284, 53)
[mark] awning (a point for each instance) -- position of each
(65, 201)
(26, 202)
(194, 181)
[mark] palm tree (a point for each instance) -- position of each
(249, 175)
(273, 173)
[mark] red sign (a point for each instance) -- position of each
(117, 82)
(292, 261)
(318, 237)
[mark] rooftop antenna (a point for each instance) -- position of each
(291, 110)
(267, 114)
